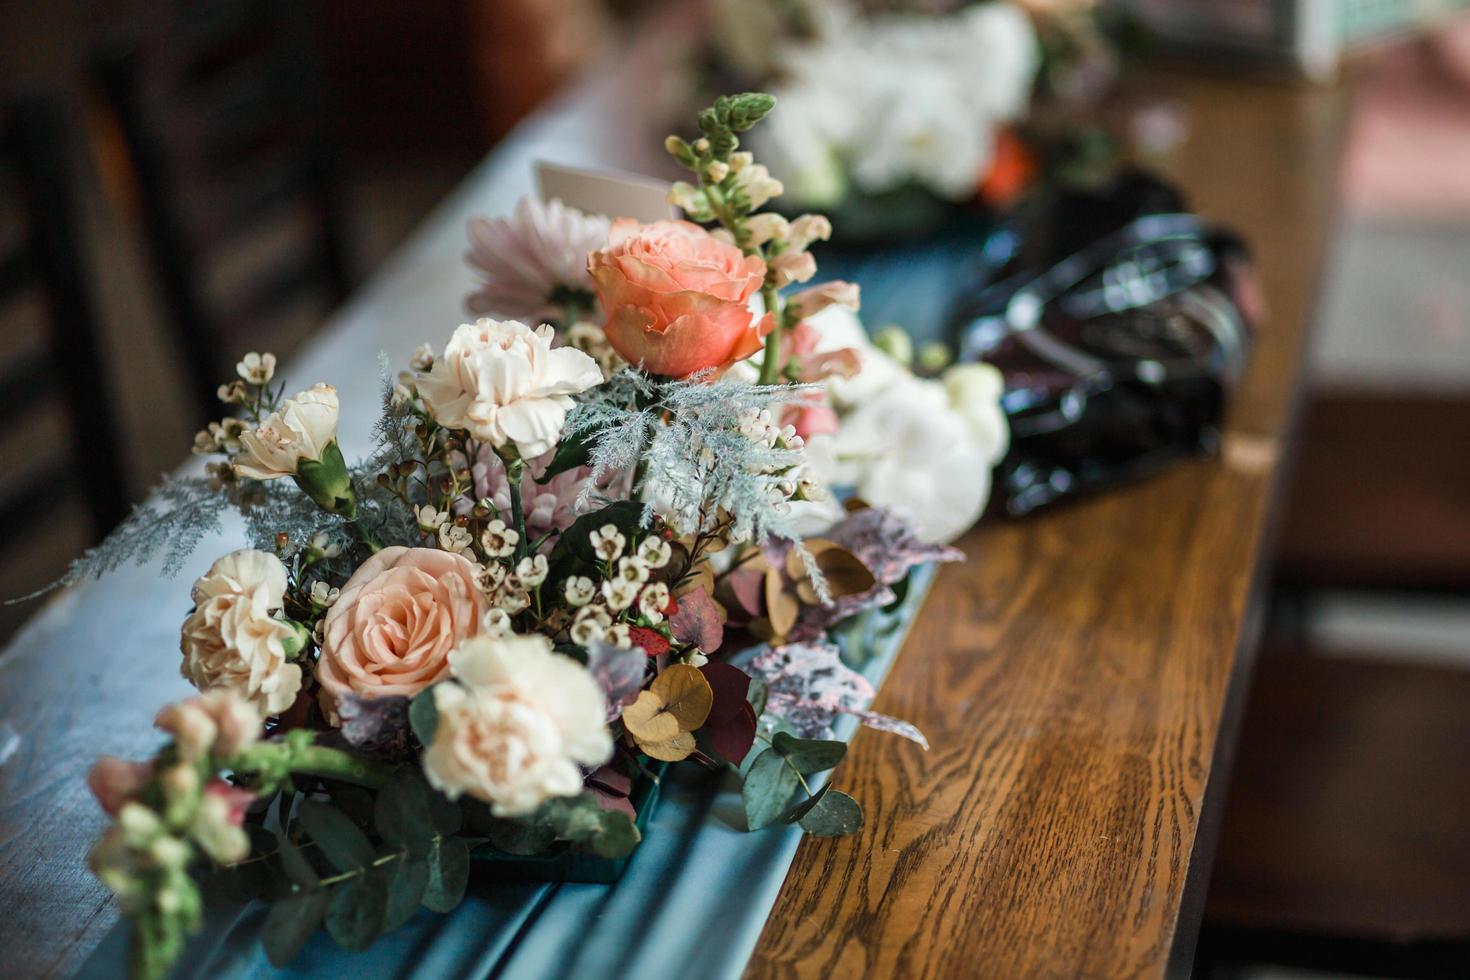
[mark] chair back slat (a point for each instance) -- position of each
(65, 367)
(220, 107)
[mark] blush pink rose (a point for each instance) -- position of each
(676, 297)
(399, 615)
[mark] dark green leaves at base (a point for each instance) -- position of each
(355, 915)
(449, 873)
(290, 923)
(344, 844)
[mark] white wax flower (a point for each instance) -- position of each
(233, 642)
(516, 726)
(300, 430)
(505, 384)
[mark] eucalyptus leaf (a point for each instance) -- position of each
(800, 810)
(295, 864)
(768, 787)
(344, 844)
(809, 755)
(402, 811)
(522, 838)
(355, 915)
(423, 715)
(617, 837)
(290, 923)
(449, 873)
(444, 813)
(834, 814)
(407, 881)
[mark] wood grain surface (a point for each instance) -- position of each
(1078, 677)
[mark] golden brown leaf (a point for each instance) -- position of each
(685, 696)
(647, 720)
(782, 608)
(681, 746)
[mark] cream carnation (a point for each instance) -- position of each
(504, 383)
(395, 622)
(518, 726)
(301, 429)
(232, 640)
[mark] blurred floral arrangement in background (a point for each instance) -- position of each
(897, 111)
(581, 550)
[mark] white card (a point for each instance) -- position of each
(617, 195)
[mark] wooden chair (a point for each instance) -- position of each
(221, 111)
(40, 255)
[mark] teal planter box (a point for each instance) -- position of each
(565, 863)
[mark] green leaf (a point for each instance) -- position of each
(355, 915)
(345, 845)
(768, 786)
(757, 694)
(520, 837)
(402, 811)
(575, 542)
(295, 864)
(575, 818)
(445, 813)
(809, 755)
(618, 836)
(407, 881)
(423, 715)
(449, 873)
(800, 810)
(833, 815)
(290, 923)
(571, 453)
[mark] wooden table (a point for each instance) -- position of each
(1075, 677)
(1081, 677)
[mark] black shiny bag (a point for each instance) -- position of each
(1121, 324)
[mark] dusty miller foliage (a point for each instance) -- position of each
(684, 439)
(184, 510)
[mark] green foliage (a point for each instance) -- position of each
(423, 715)
(401, 813)
(777, 772)
(355, 915)
(290, 923)
(449, 873)
(343, 843)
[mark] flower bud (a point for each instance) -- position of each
(717, 170)
(894, 341)
(139, 824)
(761, 228)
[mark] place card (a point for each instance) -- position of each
(617, 195)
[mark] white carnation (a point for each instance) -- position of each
(301, 429)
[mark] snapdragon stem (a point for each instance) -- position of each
(771, 365)
(271, 758)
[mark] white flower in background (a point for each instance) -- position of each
(499, 540)
(607, 542)
(590, 625)
(524, 260)
(619, 593)
(652, 602)
(233, 641)
(256, 369)
(655, 552)
(504, 383)
(531, 571)
(324, 595)
(516, 726)
(907, 448)
(975, 391)
(301, 429)
(899, 99)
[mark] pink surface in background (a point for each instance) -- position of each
(1409, 155)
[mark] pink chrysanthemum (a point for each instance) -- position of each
(524, 261)
(549, 507)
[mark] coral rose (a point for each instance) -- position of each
(676, 297)
(518, 726)
(398, 617)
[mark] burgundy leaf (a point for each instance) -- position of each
(700, 621)
(619, 672)
(378, 726)
(733, 735)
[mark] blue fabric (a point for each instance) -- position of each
(691, 904)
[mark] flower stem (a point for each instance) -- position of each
(277, 760)
(517, 511)
(771, 366)
(366, 536)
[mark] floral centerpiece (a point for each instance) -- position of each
(594, 539)
(896, 112)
